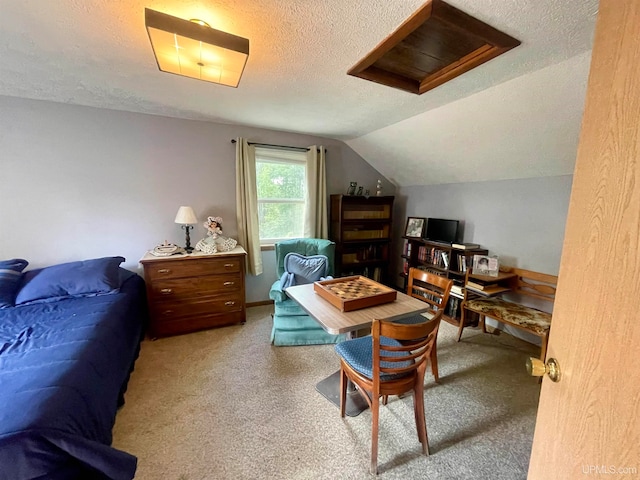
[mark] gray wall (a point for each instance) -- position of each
(521, 221)
(79, 182)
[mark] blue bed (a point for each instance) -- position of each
(64, 365)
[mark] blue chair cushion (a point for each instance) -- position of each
(304, 246)
(301, 269)
(358, 353)
(415, 319)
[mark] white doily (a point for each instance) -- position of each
(225, 244)
(205, 246)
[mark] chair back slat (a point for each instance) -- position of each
(406, 357)
(428, 287)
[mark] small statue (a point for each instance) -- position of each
(215, 240)
(379, 188)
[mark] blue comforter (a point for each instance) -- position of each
(64, 367)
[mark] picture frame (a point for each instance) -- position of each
(485, 265)
(415, 227)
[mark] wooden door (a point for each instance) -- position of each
(588, 424)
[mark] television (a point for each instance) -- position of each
(442, 230)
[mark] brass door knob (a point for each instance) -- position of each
(537, 368)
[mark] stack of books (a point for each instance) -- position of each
(481, 286)
(465, 246)
(457, 290)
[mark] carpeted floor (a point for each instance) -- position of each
(225, 404)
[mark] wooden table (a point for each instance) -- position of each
(335, 322)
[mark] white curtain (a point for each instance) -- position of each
(247, 205)
(316, 219)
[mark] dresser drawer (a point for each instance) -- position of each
(183, 288)
(171, 310)
(191, 267)
(177, 326)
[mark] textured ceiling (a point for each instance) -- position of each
(97, 53)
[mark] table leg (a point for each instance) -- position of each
(330, 389)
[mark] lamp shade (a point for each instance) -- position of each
(186, 216)
(196, 50)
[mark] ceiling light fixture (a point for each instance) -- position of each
(194, 49)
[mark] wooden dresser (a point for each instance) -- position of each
(194, 292)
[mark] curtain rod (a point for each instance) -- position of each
(286, 147)
(268, 145)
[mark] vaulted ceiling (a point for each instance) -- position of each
(516, 116)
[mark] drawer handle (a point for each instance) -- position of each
(229, 265)
(167, 312)
(229, 304)
(164, 270)
(166, 291)
(228, 284)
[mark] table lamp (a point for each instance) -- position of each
(187, 218)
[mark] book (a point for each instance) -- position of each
(481, 286)
(445, 259)
(463, 264)
(465, 246)
(456, 291)
(489, 291)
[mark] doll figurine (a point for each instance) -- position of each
(215, 241)
(213, 226)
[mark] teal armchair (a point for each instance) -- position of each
(291, 324)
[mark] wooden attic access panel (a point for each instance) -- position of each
(436, 44)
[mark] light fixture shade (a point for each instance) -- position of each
(194, 50)
(186, 216)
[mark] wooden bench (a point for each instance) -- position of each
(528, 285)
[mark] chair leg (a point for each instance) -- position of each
(421, 423)
(482, 321)
(434, 363)
(375, 412)
(343, 391)
(385, 398)
(461, 325)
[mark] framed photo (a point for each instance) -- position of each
(415, 227)
(484, 265)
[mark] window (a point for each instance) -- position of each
(281, 178)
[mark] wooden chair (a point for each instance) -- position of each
(392, 361)
(434, 290)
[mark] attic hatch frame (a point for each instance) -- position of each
(434, 45)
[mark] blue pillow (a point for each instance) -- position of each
(10, 278)
(85, 278)
(300, 270)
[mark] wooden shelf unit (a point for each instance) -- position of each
(444, 260)
(361, 228)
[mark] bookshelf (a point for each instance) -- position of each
(445, 260)
(361, 228)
